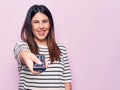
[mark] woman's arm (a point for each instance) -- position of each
(67, 72)
(28, 58)
(24, 56)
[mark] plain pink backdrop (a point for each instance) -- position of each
(90, 30)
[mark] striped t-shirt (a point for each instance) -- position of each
(53, 78)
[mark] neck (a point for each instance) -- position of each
(41, 42)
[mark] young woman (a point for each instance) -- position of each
(38, 38)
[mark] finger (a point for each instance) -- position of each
(29, 64)
(30, 67)
(46, 63)
(35, 72)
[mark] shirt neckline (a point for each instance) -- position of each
(40, 46)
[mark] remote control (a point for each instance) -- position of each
(40, 67)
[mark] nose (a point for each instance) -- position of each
(41, 25)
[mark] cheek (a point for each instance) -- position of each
(48, 28)
(47, 25)
(34, 27)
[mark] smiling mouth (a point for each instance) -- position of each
(41, 32)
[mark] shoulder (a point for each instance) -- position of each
(61, 47)
(21, 43)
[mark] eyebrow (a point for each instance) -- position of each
(38, 20)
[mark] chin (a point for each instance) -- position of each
(42, 39)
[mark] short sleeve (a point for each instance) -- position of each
(67, 72)
(21, 45)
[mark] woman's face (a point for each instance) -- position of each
(40, 26)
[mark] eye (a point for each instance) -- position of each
(35, 21)
(45, 21)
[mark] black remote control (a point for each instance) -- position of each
(40, 67)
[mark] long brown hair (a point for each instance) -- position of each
(27, 35)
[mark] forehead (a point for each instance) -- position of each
(39, 16)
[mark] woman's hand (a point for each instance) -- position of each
(28, 58)
(68, 86)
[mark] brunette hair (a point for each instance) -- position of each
(27, 34)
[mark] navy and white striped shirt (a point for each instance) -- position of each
(53, 78)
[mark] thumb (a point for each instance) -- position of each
(46, 62)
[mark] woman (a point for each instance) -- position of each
(38, 38)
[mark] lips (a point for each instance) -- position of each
(41, 32)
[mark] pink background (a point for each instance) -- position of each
(90, 30)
